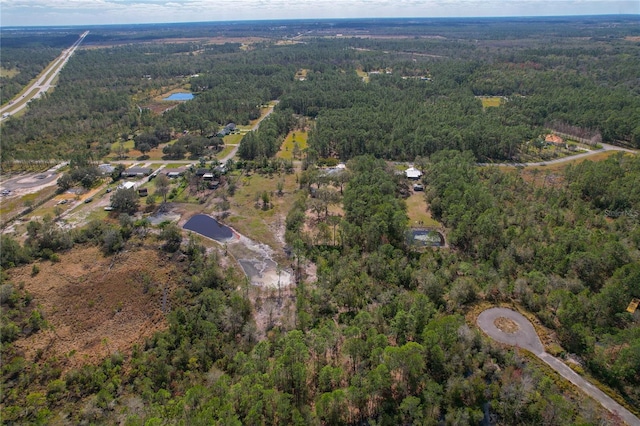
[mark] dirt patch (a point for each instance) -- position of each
(506, 325)
(96, 305)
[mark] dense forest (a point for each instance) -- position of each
(381, 337)
(383, 334)
(589, 83)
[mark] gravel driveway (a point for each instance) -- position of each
(527, 338)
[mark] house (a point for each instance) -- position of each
(556, 140)
(227, 130)
(214, 184)
(126, 185)
(413, 173)
(207, 176)
(137, 172)
(106, 169)
(201, 172)
(175, 173)
(143, 192)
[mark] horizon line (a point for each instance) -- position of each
(620, 15)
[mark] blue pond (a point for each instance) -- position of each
(209, 227)
(179, 97)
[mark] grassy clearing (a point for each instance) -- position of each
(363, 75)
(126, 145)
(175, 165)
(490, 101)
(286, 150)
(233, 139)
(301, 74)
(132, 154)
(257, 223)
(418, 213)
(8, 73)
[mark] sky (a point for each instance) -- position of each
(97, 12)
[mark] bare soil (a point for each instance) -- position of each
(96, 305)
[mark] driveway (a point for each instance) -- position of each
(526, 337)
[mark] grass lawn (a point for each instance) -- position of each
(227, 149)
(417, 211)
(233, 139)
(491, 101)
(286, 150)
(175, 165)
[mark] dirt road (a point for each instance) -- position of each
(526, 337)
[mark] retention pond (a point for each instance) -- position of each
(209, 227)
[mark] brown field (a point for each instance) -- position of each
(96, 305)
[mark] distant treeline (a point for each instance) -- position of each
(589, 83)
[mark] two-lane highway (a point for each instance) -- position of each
(42, 83)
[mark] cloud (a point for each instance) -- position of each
(87, 12)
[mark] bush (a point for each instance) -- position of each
(172, 237)
(112, 241)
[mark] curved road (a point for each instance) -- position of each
(527, 338)
(43, 81)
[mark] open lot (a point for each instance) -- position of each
(491, 101)
(293, 138)
(417, 210)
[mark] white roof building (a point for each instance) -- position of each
(413, 173)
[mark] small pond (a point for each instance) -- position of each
(179, 97)
(426, 238)
(209, 227)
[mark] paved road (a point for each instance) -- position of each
(527, 338)
(605, 147)
(43, 81)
